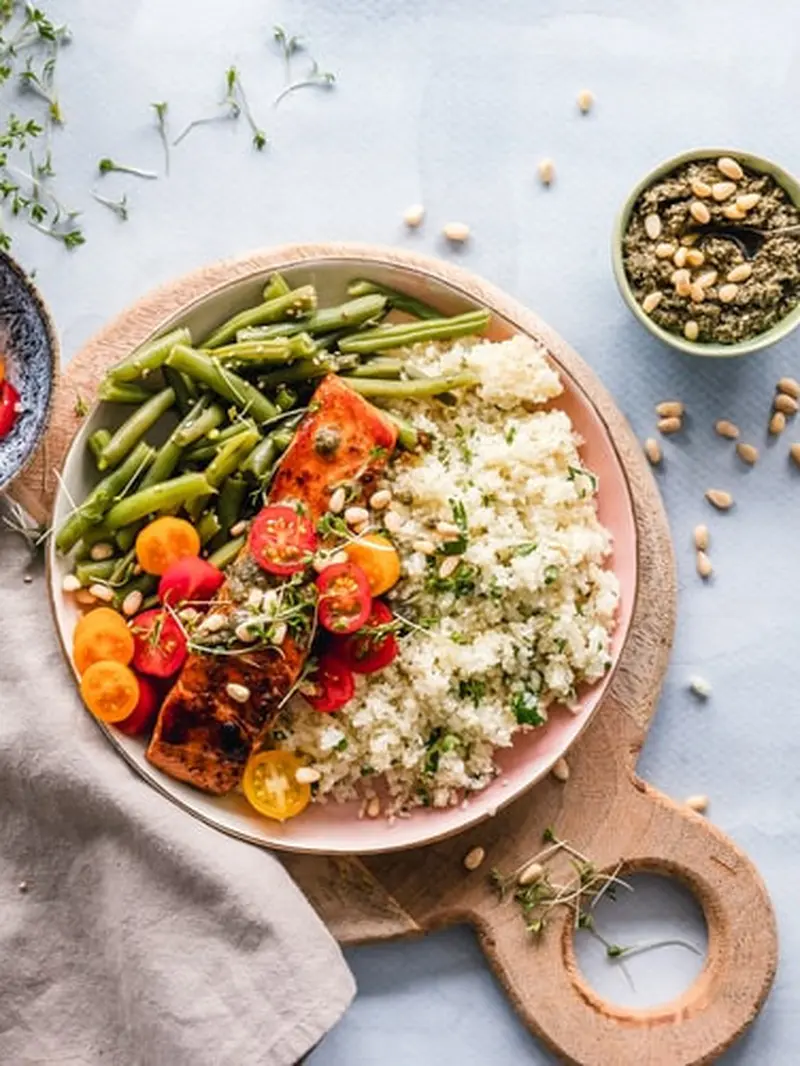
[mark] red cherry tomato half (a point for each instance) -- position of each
(144, 713)
(333, 684)
(189, 580)
(159, 643)
(9, 399)
(365, 651)
(344, 597)
(281, 540)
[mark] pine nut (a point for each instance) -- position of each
(700, 687)
(354, 516)
(727, 429)
(392, 522)
(101, 551)
(777, 424)
(734, 213)
(652, 227)
(373, 807)
(70, 583)
(213, 623)
(85, 598)
(474, 858)
(697, 803)
(337, 500)
(703, 564)
(665, 250)
(380, 500)
(683, 288)
(794, 451)
(560, 770)
(748, 201)
(679, 259)
(132, 603)
(651, 302)
(547, 171)
(740, 273)
(730, 168)
(701, 538)
(669, 425)
(707, 279)
(701, 189)
(727, 293)
(723, 501)
(238, 693)
(457, 232)
(425, 547)
(699, 212)
(785, 403)
(652, 449)
(697, 293)
(306, 775)
(448, 529)
(694, 257)
(532, 873)
(585, 101)
(670, 409)
(244, 633)
(448, 566)
(721, 190)
(102, 593)
(790, 387)
(691, 330)
(690, 240)
(238, 528)
(413, 215)
(680, 276)
(748, 453)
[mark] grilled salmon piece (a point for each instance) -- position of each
(202, 735)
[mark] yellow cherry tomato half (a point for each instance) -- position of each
(164, 542)
(110, 691)
(271, 786)
(378, 559)
(100, 636)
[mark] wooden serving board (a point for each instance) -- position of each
(604, 809)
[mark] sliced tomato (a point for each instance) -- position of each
(144, 713)
(189, 580)
(271, 787)
(333, 684)
(159, 643)
(9, 402)
(344, 597)
(281, 540)
(366, 651)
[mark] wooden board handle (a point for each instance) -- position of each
(649, 833)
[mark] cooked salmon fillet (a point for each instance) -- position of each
(202, 735)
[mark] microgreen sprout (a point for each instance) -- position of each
(314, 79)
(81, 407)
(42, 85)
(289, 46)
(108, 166)
(233, 104)
(161, 109)
(119, 207)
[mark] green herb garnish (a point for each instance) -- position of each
(526, 710)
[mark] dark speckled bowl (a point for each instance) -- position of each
(29, 348)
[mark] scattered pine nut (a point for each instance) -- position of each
(132, 603)
(790, 386)
(695, 258)
(85, 598)
(101, 551)
(425, 547)
(561, 770)
(707, 279)
(748, 201)
(679, 276)
(727, 293)
(380, 500)
(245, 633)
(700, 687)
(730, 168)
(748, 453)
(740, 273)
(684, 288)
(448, 529)
(726, 429)
(651, 301)
(532, 873)
(701, 538)
(669, 425)
(238, 693)
(70, 583)
(777, 424)
(794, 451)
(307, 775)
(734, 213)
(691, 330)
(474, 858)
(670, 409)
(652, 449)
(703, 564)
(697, 293)
(665, 250)
(102, 593)
(785, 403)
(337, 500)
(392, 522)
(547, 171)
(721, 190)
(448, 566)
(723, 501)
(652, 227)
(457, 232)
(373, 807)
(585, 101)
(238, 528)
(697, 803)
(354, 516)
(701, 189)
(679, 259)
(699, 212)
(413, 215)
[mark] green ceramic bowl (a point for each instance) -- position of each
(762, 340)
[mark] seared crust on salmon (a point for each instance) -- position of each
(203, 736)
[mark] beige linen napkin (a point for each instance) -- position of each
(130, 933)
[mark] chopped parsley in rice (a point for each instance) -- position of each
(490, 642)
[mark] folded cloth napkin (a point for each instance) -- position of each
(131, 934)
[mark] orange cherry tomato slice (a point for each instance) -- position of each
(378, 559)
(110, 691)
(102, 637)
(271, 787)
(165, 541)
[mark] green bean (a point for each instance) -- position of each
(401, 301)
(277, 285)
(124, 568)
(224, 556)
(179, 383)
(301, 345)
(262, 458)
(144, 583)
(285, 398)
(230, 502)
(302, 370)
(208, 527)
(325, 320)
(131, 431)
(125, 538)
(379, 367)
(226, 462)
(89, 572)
(169, 454)
(149, 357)
(226, 384)
(255, 353)
(293, 304)
(384, 338)
(115, 392)
(203, 452)
(102, 497)
(407, 435)
(283, 438)
(174, 493)
(97, 534)
(98, 440)
(405, 390)
(203, 426)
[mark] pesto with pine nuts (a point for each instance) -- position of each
(702, 287)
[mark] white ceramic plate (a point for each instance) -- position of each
(332, 827)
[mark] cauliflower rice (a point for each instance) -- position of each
(523, 621)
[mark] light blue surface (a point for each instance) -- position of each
(453, 103)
